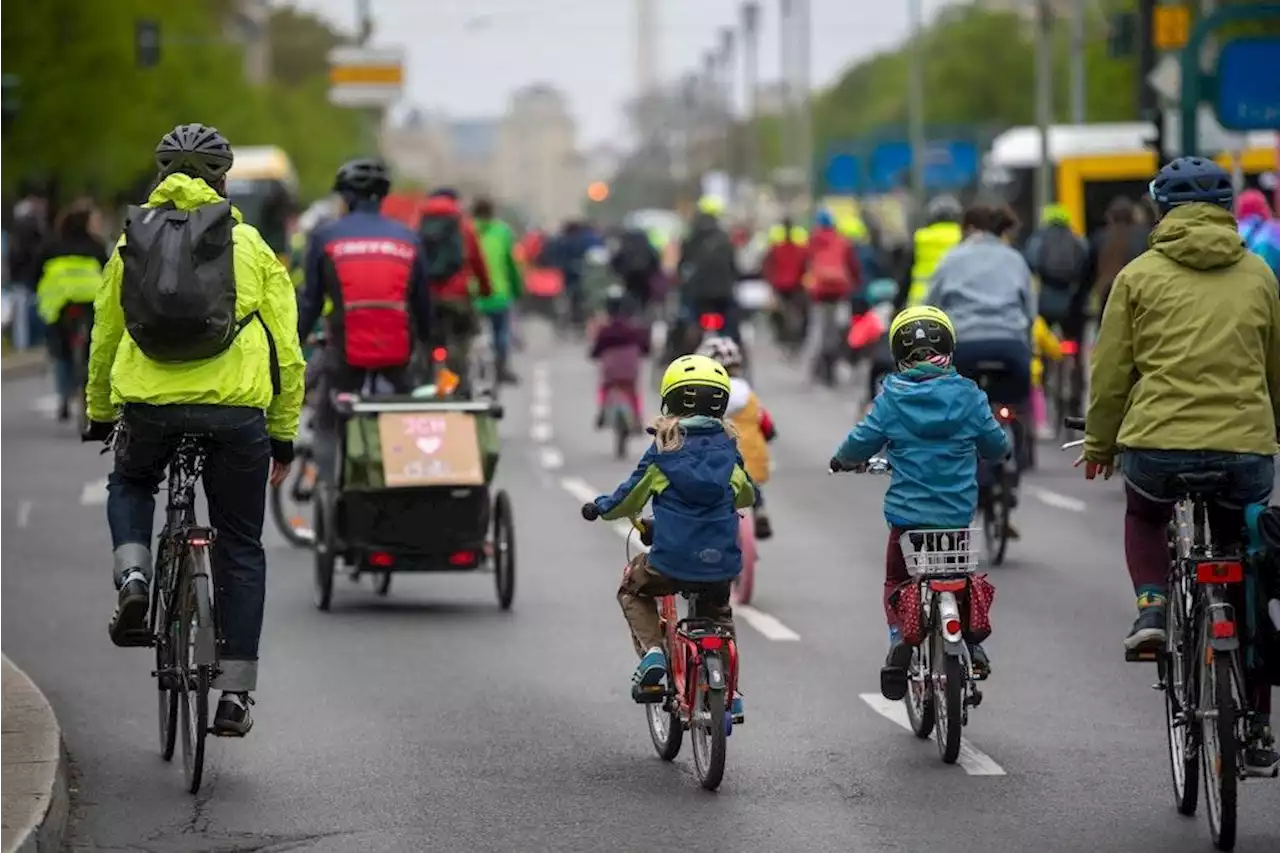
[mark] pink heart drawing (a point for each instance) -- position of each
(430, 444)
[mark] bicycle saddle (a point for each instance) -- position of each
(1201, 483)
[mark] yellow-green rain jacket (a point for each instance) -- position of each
(931, 245)
(119, 373)
(67, 280)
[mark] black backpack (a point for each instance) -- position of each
(707, 269)
(1060, 258)
(635, 255)
(178, 291)
(442, 246)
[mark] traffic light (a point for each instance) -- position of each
(146, 43)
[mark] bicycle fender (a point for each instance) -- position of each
(715, 672)
(953, 649)
(1225, 644)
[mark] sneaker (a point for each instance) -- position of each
(128, 626)
(981, 663)
(764, 529)
(652, 669)
(1148, 628)
(1260, 756)
(736, 708)
(64, 410)
(893, 676)
(232, 718)
(506, 377)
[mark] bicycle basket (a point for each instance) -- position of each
(939, 552)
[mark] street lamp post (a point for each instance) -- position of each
(751, 73)
(726, 97)
(915, 103)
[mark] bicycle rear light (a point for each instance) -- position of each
(1219, 573)
(712, 322)
(462, 558)
(1224, 630)
(381, 559)
(1005, 414)
(1070, 348)
(947, 585)
(952, 626)
(439, 354)
(710, 644)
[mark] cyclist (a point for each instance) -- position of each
(931, 420)
(506, 280)
(695, 476)
(708, 269)
(222, 396)
(637, 264)
(1260, 232)
(751, 421)
(70, 275)
(1059, 259)
(784, 267)
(835, 274)
(620, 346)
(454, 266)
(929, 245)
(1113, 246)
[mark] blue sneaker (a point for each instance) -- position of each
(652, 669)
(736, 708)
(895, 636)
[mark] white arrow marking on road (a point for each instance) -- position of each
(24, 513)
(1054, 499)
(94, 493)
(974, 761)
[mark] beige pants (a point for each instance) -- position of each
(642, 584)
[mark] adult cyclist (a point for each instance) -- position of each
(708, 271)
(239, 385)
(929, 245)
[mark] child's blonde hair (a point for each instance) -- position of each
(668, 435)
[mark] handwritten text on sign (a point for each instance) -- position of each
(430, 449)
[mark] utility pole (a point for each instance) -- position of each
(726, 97)
(806, 103)
(710, 102)
(1044, 102)
(646, 84)
(1148, 98)
(751, 74)
(915, 103)
(1079, 85)
(786, 25)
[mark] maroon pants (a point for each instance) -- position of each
(895, 572)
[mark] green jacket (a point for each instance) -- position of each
(498, 243)
(1188, 354)
(119, 373)
(67, 280)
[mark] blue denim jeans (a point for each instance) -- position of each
(1151, 473)
(235, 482)
(500, 322)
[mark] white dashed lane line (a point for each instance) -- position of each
(94, 493)
(1056, 500)
(974, 761)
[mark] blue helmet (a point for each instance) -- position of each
(1191, 179)
(824, 219)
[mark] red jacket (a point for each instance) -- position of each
(834, 265)
(459, 287)
(784, 266)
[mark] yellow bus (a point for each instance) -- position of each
(1094, 163)
(262, 183)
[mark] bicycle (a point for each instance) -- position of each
(941, 678)
(182, 624)
(700, 704)
(997, 492)
(620, 418)
(1200, 668)
(290, 499)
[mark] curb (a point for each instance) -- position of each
(20, 365)
(36, 799)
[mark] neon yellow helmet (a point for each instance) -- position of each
(711, 205)
(1055, 214)
(695, 385)
(923, 333)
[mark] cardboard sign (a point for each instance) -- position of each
(429, 449)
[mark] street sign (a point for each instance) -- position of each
(949, 165)
(843, 174)
(1171, 27)
(1249, 84)
(366, 76)
(1166, 77)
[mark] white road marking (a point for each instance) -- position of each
(541, 432)
(94, 493)
(1056, 500)
(540, 411)
(24, 513)
(551, 459)
(46, 405)
(770, 626)
(974, 761)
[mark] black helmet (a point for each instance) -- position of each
(1191, 179)
(364, 178)
(944, 208)
(195, 150)
(920, 334)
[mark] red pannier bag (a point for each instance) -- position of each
(977, 609)
(905, 602)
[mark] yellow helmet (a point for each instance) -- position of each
(695, 385)
(920, 334)
(711, 205)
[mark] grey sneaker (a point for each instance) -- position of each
(232, 718)
(128, 626)
(1260, 756)
(1148, 628)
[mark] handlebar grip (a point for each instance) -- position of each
(589, 512)
(1074, 423)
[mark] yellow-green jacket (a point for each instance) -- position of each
(931, 244)
(119, 373)
(70, 274)
(1188, 354)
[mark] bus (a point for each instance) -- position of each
(263, 185)
(1094, 163)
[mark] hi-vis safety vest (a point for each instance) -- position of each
(931, 244)
(67, 280)
(778, 234)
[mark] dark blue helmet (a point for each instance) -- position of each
(1191, 179)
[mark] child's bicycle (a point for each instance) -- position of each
(941, 678)
(700, 704)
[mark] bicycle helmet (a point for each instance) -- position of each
(944, 208)
(711, 205)
(615, 299)
(194, 150)
(363, 178)
(824, 219)
(695, 385)
(723, 350)
(1190, 180)
(921, 334)
(445, 192)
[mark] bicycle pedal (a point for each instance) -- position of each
(1141, 655)
(648, 694)
(974, 699)
(134, 639)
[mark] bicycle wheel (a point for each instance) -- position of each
(289, 500)
(744, 584)
(665, 729)
(948, 691)
(995, 516)
(195, 616)
(708, 729)
(504, 550)
(324, 550)
(621, 433)
(166, 683)
(1178, 677)
(1219, 751)
(919, 698)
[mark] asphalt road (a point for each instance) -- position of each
(429, 720)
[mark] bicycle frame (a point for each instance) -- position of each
(693, 644)
(181, 532)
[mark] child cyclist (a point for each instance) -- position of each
(695, 476)
(620, 346)
(930, 420)
(750, 419)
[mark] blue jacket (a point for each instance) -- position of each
(932, 421)
(696, 493)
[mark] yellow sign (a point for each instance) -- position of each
(1171, 27)
(374, 75)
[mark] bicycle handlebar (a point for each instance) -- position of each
(1074, 423)
(874, 465)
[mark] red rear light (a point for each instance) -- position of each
(1070, 348)
(1224, 630)
(952, 626)
(439, 354)
(381, 559)
(711, 644)
(198, 543)
(462, 558)
(1219, 573)
(712, 322)
(947, 586)
(1004, 413)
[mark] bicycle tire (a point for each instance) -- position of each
(995, 517)
(292, 533)
(665, 730)
(621, 434)
(708, 750)
(196, 611)
(947, 701)
(743, 586)
(919, 698)
(324, 556)
(1220, 771)
(161, 626)
(1179, 679)
(504, 550)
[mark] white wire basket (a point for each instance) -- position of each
(940, 552)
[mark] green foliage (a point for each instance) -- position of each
(90, 117)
